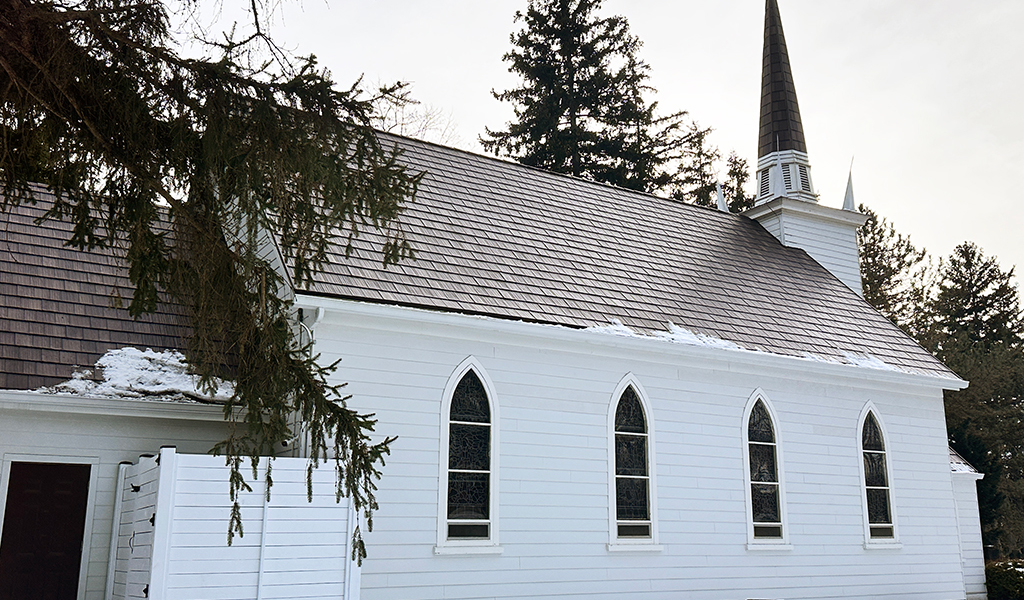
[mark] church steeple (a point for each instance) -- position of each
(786, 204)
(782, 165)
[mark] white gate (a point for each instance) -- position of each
(170, 542)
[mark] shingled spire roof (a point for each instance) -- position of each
(780, 114)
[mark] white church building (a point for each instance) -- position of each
(597, 393)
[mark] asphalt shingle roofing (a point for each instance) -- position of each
(499, 239)
(492, 238)
(59, 306)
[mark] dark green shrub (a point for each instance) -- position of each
(1005, 579)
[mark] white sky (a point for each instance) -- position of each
(925, 94)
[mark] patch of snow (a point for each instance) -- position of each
(615, 327)
(678, 335)
(819, 358)
(133, 373)
(868, 361)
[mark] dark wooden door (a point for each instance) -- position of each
(44, 524)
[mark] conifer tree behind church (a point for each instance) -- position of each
(581, 108)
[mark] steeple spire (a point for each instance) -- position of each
(781, 151)
(781, 128)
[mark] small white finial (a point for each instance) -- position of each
(848, 203)
(722, 206)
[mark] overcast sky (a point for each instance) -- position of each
(925, 95)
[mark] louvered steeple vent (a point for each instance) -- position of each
(786, 204)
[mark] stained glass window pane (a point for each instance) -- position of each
(759, 429)
(634, 531)
(767, 531)
(872, 437)
(469, 402)
(878, 506)
(874, 469)
(765, 502)
(631, 499)
(468, 530)
(762, 463)
(630, 455)
(469, 447)
(629, 415)
(468, 495)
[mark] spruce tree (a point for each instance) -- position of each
(735, 184)
(894, 273)
(581, 109)
(976, 329)
(186, 163)
(695, 176)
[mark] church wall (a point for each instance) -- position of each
(965, 491)
(833, 246)
(553, 390)
(30, 429)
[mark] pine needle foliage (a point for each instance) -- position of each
(977, 330)
(581, 109)
(203, 169)
(896, 276)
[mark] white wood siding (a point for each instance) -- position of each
(554, 400)
(965, 490)
(833, 246)
(108, 438)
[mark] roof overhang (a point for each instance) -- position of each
(418, 320)
(807, 209)
(114, 407)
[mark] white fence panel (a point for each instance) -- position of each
(171, 539)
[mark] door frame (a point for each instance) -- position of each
(90, 504)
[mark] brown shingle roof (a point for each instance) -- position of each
(58, 304)
(500, 239)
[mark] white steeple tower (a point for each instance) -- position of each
(786, 204)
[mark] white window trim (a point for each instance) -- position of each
(90, 505)
(869, 542)
(468, 546)
(615, 543)
(753, 543)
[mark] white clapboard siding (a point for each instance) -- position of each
(965, 490)
(291, 548)
(553, 398)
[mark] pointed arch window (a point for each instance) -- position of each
(765, 484)
(876, 481)
(469, 461)
(632, 468)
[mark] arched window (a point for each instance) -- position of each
(469, 461)
(632, 468)
(765, 487)
(876, 480)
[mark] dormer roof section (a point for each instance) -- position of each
(781, 128)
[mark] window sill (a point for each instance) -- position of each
(769, 546)
(890, 545)
(467, 550)
(644, 547)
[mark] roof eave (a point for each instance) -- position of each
(416, 317)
